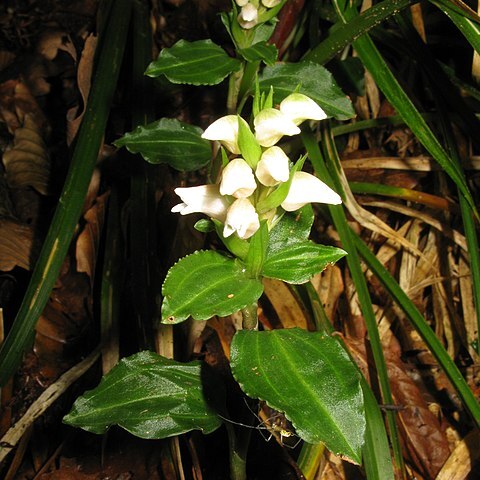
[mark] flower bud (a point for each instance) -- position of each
(248, 16)
(298, 108)
(271, 125)
(238, 179)
(272, 168)
(241, 218)
(225, 130)
(202, 199)
(306, 188)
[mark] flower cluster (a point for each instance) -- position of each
(259, 168)
(250, 10)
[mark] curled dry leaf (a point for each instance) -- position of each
(27, 164)
(51, 41)
(84, 75)
(17, 101)
(16, 245)
(89, 238)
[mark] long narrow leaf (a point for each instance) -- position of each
(343, 35)
(71, 201)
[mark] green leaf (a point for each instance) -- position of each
(300, 261)
(293, 227)
(150, 396)
(308, 376)
(315, 81)
(169, 141)
(204, 225)
(207, 283)
(249, 146)
(195, 63)
(260, 51)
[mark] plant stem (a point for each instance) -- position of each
(250, 318)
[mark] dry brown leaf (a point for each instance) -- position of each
(285, 304)
(468, 307)
(420, 163)
(51, 41)
(27, 163)
(16, 101)
(450, 233)
(6, 58)
(329, 286)
(87, 243)
(462, 460)
(368, 219)
(16, 245)
(84, 75)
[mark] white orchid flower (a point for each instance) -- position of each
(225, 130)
(272, 168)
(248, 16)
(241, 218)
(271, 125)
(298, 108)
(306, 188)
(202, 199)
(238, 179)
(270, 3)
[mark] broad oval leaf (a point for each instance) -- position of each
(310, 377)
(314, 80)
(261, 51)
(300, 261)
(150, 396)
(292, 228)
(195, 63)
(169, 141)
(207, 283)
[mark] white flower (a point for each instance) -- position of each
(241, 3)
(306, 188)
(238, 179)
(271, 125)
(241, 218)
(202, 199)
(248, 16)
(270, 3)
(298, 108)
(272, 168)
(225, 130)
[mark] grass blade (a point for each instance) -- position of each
(71, 200)
(358, 26)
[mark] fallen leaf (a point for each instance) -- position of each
(16, 245)
(84, 75)
(86, 249)
(27, 163)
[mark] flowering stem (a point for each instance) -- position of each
(233, 89)
(250, 318)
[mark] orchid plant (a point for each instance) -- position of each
(260, 207)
